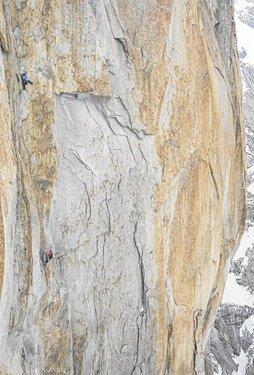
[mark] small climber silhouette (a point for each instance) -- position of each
(25, 80)
(50, 254)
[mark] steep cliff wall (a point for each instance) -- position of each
(126, 157)
(230, 348)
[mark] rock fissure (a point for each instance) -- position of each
(142, 271)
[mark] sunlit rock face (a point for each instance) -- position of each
(231, 345)
(125, 157)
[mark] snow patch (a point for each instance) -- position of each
(251, 188)
(242, 362)
(237, 294)
(247, 242)
(248, 324)
(245, 35)
(219, 370)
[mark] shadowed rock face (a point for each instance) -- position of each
(126, 157)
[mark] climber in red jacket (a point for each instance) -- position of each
(50, 254)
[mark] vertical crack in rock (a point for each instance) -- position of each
(136, 365)
(214, 181)
(142, 270)
(198, 350)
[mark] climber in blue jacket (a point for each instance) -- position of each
(25, 80)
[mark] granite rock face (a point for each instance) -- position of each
(126, 157)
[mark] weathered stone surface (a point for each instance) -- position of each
(125, 157)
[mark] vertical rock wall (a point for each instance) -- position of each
(126, 157)
(230, 347)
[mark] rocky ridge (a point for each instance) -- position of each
(231, 345)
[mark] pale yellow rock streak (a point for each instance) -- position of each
(197, 143)
(7, 163)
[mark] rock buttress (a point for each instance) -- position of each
(126, 158)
